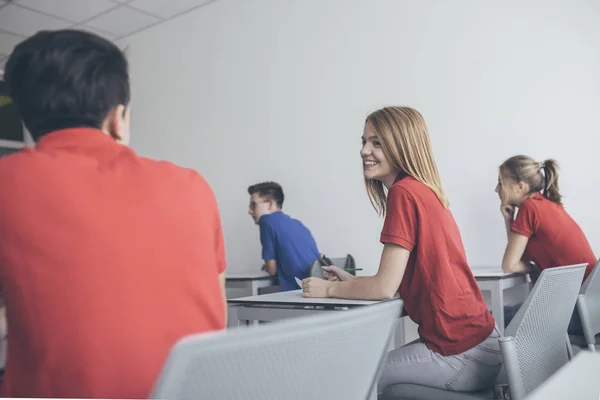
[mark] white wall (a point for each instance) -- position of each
(246, 91)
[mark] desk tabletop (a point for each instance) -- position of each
(578, 379)
(492, 273)
(248, 276)
(294, 298)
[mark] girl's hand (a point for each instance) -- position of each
(333, 273)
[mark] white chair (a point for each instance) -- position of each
(332, 356)
(535, 344)
(588, 307)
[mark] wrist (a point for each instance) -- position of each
(330, 289)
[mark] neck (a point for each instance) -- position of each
(527, 196)
(389, 180)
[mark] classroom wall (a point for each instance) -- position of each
(247, 91)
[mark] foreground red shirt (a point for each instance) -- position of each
(439, 290)
(106, 260)
(555, 239)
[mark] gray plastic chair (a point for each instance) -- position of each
(339, 261)
(588, 307)
(536, 337)
(329, 357)
(345, 262)
(536, 343)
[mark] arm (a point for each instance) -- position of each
(267, 241)
(223, 294)
(271, 267)
(383, 285)
(399, 235)
(512, 260)
(518, 232)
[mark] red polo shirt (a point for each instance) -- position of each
(439, 290)
(555, 239)
(106, 260)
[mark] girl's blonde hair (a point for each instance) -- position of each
(540, 176)
(405, 142)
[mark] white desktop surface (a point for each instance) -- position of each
(248, 275)
(294, 297)
(485, 272)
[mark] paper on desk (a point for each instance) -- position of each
(299, 282)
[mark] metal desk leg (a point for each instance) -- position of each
(498, 305)
(232, 317)
(253, 288)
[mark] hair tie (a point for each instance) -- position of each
(545, 176)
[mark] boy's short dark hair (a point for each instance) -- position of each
(268, 190)
(66, 79)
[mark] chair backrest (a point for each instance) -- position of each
(342, 262)
(535, 342)
(588, 306)
(332, 356)
(345, 262)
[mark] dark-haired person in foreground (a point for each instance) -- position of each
(106, 258)
(288, 247)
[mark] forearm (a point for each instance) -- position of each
(508, 266)
(508, 224)
(518, 267)
(362, 288)
(271, 271)
(270, 267)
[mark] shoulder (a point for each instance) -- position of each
(409, 190)
(18, 157)
(266, 223)
(21, 162)
(533, 203)
(405, 187)
(168, 169)
(180, 181)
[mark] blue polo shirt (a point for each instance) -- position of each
(290, 243)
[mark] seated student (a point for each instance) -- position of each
(288, 247)
(107, 258)
(543, 233)
(424, 259)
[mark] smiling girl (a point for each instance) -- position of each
(423, 258)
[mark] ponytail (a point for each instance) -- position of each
(541, 177)
(551, 191)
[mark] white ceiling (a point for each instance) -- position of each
(113, 19)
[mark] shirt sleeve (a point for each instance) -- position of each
(220, 245)
(401, 219)
(527, 221)
(267, 240)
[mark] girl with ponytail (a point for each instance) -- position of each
(542, 235)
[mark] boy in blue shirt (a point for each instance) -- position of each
(288, 247)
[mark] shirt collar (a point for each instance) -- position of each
(88, 141)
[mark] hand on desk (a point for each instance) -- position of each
(315, 287)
